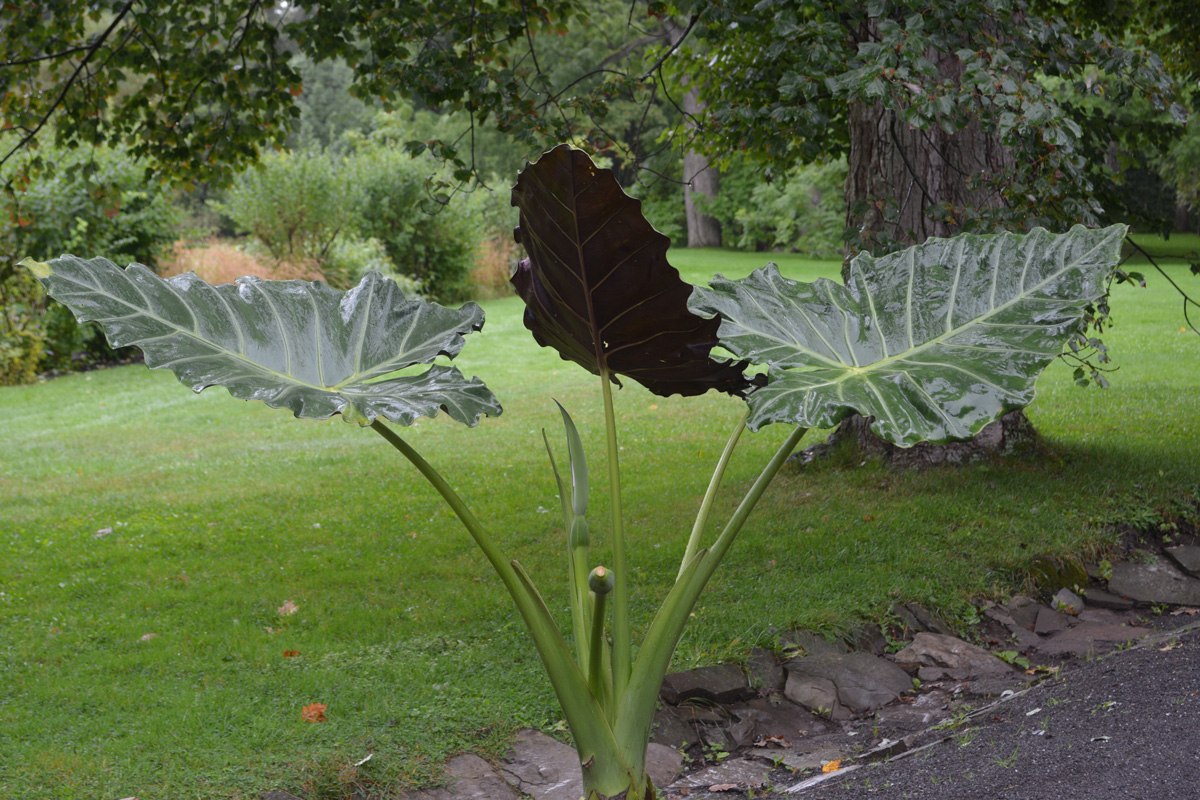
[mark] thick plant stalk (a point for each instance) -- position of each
(622, 644)
(603, 761)
(635, 708)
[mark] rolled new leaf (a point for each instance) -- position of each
(934, 342)
(597, 286)
(291, 344)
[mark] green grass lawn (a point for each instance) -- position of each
(150, 537)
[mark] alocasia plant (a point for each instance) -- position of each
(933, 342)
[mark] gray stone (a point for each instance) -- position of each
(723, 683)
(543, 768)
(816, 693)
(951, 653)
(744, 773)
(1067, 602)
(1102, 599)
(1049, 622)
(807, 643)
(663, 764)
(1187, 557)
(672, 727)
(470, 778)
(1159, 582)
(933, 674)
(868, 638)
(1107, 616)
(770, 717)
(764, 672)
(546, 769)
(927, 710)
(864, 682)
(916, 618)
(1024, 610)
(1088, 638)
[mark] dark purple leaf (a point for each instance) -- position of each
(597, 286)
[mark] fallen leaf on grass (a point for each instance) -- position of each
(288, 608)
(832, 766)
(290, 653)
(147, 637)
(313, 712)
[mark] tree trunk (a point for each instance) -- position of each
(703, 230)
(899, 173)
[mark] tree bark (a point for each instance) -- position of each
(703, 181)
(700, 180)
(899, 173)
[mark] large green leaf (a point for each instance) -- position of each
(933, 342)
(291, 344)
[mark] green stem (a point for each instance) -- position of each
(596, 663)
(622, 640)
(693, 543)
(584, 713)
(635, 708)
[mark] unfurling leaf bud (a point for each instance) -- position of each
(601, 580)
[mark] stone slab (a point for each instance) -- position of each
(743, 773)
(547, 769)
(1099, 598)
(1024, 610)
(864, 682)
(817, 694)
(916, 618)
(1159, 582)
(1089, 638)
(810, 644)
(774, 716)
(764, 673)
(951, 653)
(470, 778)
(1049, 621)
(723, 683)
(797, 761)
(1187, 557)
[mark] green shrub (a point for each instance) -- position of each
(96, 200)
(431, 242)
(349, 258)
(295, 204)
(804, 213)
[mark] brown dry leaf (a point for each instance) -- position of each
(1170, 646)
(288, 608)
(723, 787)
(1191, 612)
(832, 766)
(778, 741)
(290, 653)
(313, 712)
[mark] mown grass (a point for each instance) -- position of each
(151, 659)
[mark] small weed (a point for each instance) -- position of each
(1014, 658)
(1006, 763)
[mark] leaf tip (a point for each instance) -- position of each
(40, 269)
